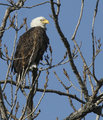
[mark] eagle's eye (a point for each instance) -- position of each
(42, 20)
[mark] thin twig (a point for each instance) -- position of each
(11, 59)
(60, 80)
(93, 41)
(90, 80)
(66, 74)
(5, 4)
(36, 115)
(79, 20)
(2, 106)
(70, 101)
(11, 91)
(12, 116)
(62, 62)
(58, 7)
(5, 97)
(36, 5)
(15, 100)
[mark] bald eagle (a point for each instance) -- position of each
(31, 47)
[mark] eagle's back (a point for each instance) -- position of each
(33, 42)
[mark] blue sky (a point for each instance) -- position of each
(53, 105)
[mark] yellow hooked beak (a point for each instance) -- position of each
(45, 21)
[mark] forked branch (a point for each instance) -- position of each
(67, 46)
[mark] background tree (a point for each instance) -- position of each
(71, 68)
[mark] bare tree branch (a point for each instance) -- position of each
(10, 9)
(93, 41)
(88, 101)
(70, 101)
(47, 91)
(87, 108)
(79, 20)
(45, 86)
(67, 46)
(36, 5)
(9, 67)
(2, 106)
(66, 74)
(5, 4)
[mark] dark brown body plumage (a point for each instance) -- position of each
(30, 49)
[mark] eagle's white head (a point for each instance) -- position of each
(39, 21)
